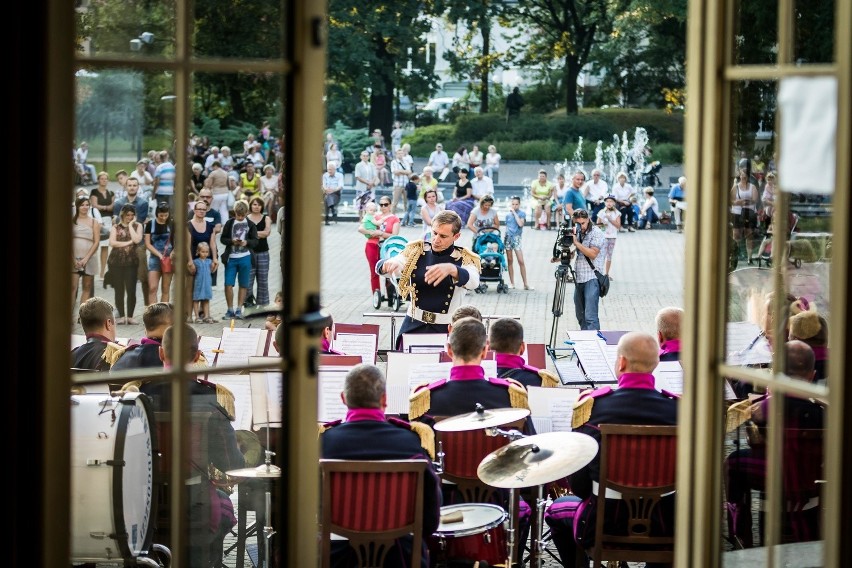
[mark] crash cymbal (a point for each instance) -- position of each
(263, 470)
(481, 418)
(536, 460)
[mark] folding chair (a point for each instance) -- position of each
(372, 503)
(639, 462)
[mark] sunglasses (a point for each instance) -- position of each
(581, 214)
(384, 204)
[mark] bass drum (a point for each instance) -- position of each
(112, 476)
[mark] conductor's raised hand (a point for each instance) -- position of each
(436, 273)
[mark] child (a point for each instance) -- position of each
(368, 223)
(515, 221)
(273, 320)
(202, 291)
(609, 220)
(650, 211)
(412, 188)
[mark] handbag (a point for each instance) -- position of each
(603, 279)
(166, 266)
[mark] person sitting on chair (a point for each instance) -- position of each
(506, 340)
(97, 316)
(668, 333)
(635, 401)
(157, 318)
(365, 397)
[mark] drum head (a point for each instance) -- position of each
(476, 518)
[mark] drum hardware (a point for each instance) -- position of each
(470, 532)
(529, 461)
(439, 465)
(481, 419)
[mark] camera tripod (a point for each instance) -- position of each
(564, 273)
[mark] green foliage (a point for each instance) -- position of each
(350, 141)
(541, 137)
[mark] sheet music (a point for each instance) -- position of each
(611, 355)
(425, 348)
(740, 334)
(208, 346)
(330, 380)
(429, 340)
(240, 385)
(593, 360)
(569, 371)
(267, 392)
(584, 335)
(398, 367)
(427, 373)
(362, 344)
(239, 344)
(551, 410)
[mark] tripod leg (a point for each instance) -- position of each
(556, 310)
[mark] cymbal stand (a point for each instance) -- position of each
(267, 528)
(510, 531)
(538, 540)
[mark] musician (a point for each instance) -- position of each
(506, 340)
(466, 386)
(326, 339)
(156, 318)
(434, 275)
(635, 401)
(211, 511)
(668, 333)
(367, 434)
(97, 316)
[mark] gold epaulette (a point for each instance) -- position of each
(548, 378)
(427, 437)
(226, 398)
(518, 394)
(133, 386)
(738, 414)
(419, 402)
(201, 362)
(582, 412)
(469, 257)
(78, 389)
(112, 352)
(412, 252)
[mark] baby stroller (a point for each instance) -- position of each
(391, 247)
(764, 253)
(492, 254)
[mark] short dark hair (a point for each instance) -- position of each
(506, 336)
(157, 314)
(580, 213)
(447, 217)
(190, 342)
(466, 311)
(94, 313)
(468, 338)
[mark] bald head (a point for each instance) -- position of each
(668, 323)
(800, 360)
(638, 352)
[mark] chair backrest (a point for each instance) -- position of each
(372, 503)
(640, 463)
(463, 452)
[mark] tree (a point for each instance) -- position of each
(565, 31)
(465, 59)
(376, 48)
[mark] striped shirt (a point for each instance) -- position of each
(583, 272)
(165, 177)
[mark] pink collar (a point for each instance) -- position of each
(149, 341)
(670, 346)
(509, 361)
(636, 381)
(362, 414)
(467, 373)
(820, 352)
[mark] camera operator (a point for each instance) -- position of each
(588, 241)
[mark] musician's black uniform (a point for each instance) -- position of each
(139, 355)
(93, 354)
(366, 434)
(514, 367)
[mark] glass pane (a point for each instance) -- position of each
(755, 32)
(126, 29)
(239, 29)
(814, 21)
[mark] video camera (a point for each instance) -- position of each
(563, 247)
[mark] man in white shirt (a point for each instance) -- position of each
(81, 155)
(400, 173)
(332, 187)
(596, 191)
(438, 160)
(481, 185)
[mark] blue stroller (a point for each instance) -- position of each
(391, 247)
(492, 254)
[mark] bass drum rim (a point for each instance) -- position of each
(472, 531)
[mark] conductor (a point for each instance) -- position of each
(434, 275)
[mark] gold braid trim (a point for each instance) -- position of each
(201, 362)
(469, 257)
(226, 398)
(133, 386)
(548, 378)
(738, 414)
(321, 428)
(112, 352)
(419, 403)
(412, 252)
(427, 437)
(582, 412)
(518, 395)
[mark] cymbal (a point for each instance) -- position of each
(481, 418)
(263, 470)
(250, 447)
(536, 460)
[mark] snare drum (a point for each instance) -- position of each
(112, 476)
(480, 536)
